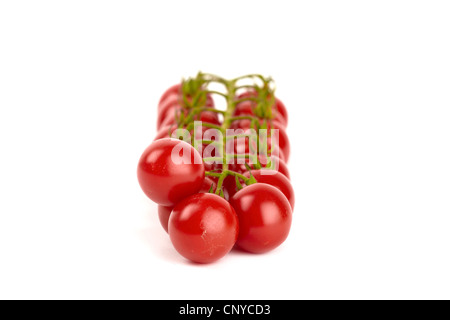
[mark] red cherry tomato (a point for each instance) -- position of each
(229, 184)
(165, 132)
(164, 212)
(283, 140)
(174, 90)
(170, 101)
(168, 115)
(203, 227)
(229, 187)
(244, 108)
(209, 117)
(246, 124)
(241, 146)
(265, 217)
(170, 110)
(273, 162)
(282, 111)
(269, 163)
(168, 119)
(279, 111)
(207, 184)
(165, 181)
(277, 180)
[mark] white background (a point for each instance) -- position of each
(367, 86)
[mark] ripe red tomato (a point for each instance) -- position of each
(271, 162)
(244, 108)
(246, 124)
(169, 110)
(174, 90)
(241, 146)
(229, 187)
(164, 181)
(164, 132)
(164, 212)
(279, 111)
(167, 116)
(207, 184)
(277, 180)
(282, 115)
(283, 140)
(265, 217)
(229, 184)
(203, 227)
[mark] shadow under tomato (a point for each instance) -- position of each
(158, 241)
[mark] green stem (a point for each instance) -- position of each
(212, 159)
(242, 118)
(196, 89)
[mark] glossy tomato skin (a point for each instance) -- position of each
(277, 180)
(203, 227)
(265, 217)
(164, 212)
(164, 181)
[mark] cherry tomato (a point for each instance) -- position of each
(164, 212)
(170, 110)
(277, 180)
(167, 116)
(229, 187)
(246, 124)
(229, 184)
(203, 227)
(282, 111)
(209, 117)
(207, 184)
(265, 217)
(174, 90)
(170, 101)
(174, 94)
(266, 163)
(283, 140)
(165, 181)
(164, 132)
(279, 111)
(241, 146)
(244, 108)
